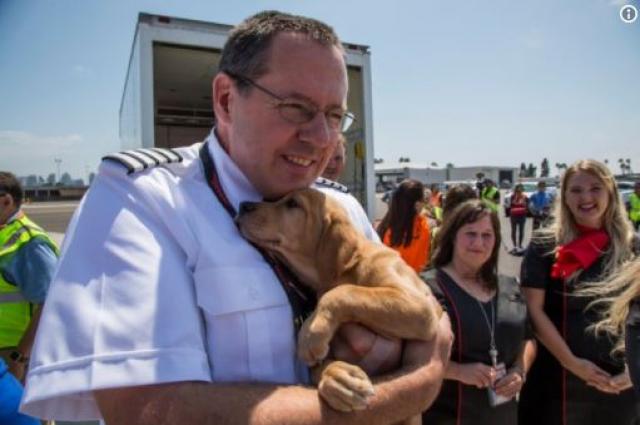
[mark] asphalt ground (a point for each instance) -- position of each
(54, 217)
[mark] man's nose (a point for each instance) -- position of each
(317, 131)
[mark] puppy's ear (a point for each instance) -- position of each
(338, 242)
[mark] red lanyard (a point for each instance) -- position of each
(301, 298)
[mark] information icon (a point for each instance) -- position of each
(628, 14)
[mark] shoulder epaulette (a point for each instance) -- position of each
(321, 181)
(136, 160)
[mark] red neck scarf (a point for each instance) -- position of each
(580, 253)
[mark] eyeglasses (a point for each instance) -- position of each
(297, 112)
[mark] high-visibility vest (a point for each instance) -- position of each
(634, 211)
(436, 200)
(15, 310)
(487, 195)
(437, 213)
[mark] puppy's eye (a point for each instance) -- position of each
(291, 203)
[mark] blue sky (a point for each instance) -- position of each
(476, 82)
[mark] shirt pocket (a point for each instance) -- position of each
(248, 324)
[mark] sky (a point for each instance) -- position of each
(491, 82)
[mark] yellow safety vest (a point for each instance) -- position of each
(15, 310)
(634, 211)
(437, 212)
(487, 195)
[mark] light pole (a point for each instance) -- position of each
(58, 161)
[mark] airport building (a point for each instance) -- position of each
(393, 173)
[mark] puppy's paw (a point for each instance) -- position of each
(313, 340)
(345, 387)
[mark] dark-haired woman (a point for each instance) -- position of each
(404, 228)
(492, 349)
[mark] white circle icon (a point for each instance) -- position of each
(628, 14)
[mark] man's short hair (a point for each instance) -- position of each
(245, 52)
(11, 185)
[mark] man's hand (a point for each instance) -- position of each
(439, 348)
(17, 369)
(358, 345)
(378, 355)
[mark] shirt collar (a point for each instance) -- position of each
(15, 216)
(235, 184)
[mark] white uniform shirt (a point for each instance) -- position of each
(156, 285)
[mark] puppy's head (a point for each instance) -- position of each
(290, 228)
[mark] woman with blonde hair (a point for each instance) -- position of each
(575, 379)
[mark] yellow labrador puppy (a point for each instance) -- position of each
(356, 280)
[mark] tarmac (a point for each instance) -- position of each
(54, 217)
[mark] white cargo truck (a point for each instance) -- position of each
(167, 94)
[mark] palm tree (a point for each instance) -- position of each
(561, 166)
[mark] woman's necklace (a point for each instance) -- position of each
(491, 326)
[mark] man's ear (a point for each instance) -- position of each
(223, 92)
(7, 200)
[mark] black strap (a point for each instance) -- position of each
(302, 299)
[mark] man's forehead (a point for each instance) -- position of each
(296, 49)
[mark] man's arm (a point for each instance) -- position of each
(397, 396)
(32, 273)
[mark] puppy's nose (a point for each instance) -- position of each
(247, 207)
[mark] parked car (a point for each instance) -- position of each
(625, 188)
(624, 185)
